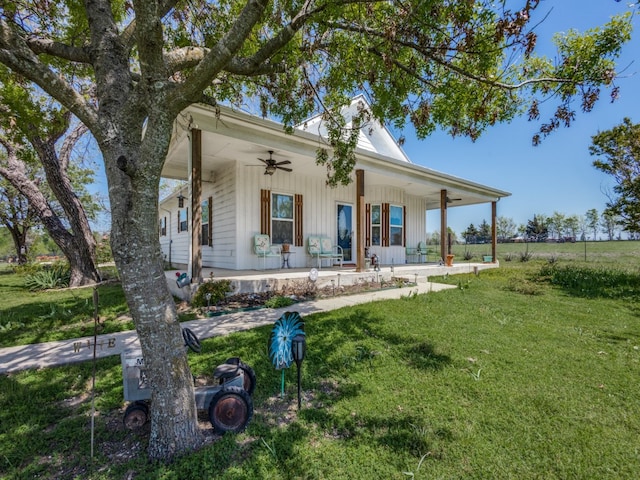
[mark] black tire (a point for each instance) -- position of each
(136, 415)
(191, 340)
(249, 375)
(230, 410)
(249, 378)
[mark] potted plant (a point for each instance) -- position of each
(285, 247)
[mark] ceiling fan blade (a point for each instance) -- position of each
(285, 169)
(266, 162)
(283, 162)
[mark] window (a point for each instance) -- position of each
(396, 225)
(182, 220)
(163, 226)
(376, 225)
(287, 220)
(281, 218)
(205, 238)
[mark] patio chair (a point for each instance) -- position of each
(262, 248)
(322, 248)
(418, 252)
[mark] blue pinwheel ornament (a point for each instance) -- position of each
(286, 327)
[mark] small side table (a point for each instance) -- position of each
(285, 259)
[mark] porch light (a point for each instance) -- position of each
(180, 200)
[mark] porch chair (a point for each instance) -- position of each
(322, 248)
(262, 248)
(418, 252)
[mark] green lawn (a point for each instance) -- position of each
(527, 371)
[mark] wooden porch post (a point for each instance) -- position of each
(494, 231)
(360, 221)
(196, 209)
(443, 223)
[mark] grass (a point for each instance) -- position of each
(514, 374)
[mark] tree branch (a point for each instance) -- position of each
(16, 54)
(449, 65)
(220, 55)
(69, 143)
(57, 49)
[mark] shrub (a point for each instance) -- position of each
(278, 302)
(468, 255)
(103, 252)
(54, 276)
(525, 256)
(218, 290)
(29, 268)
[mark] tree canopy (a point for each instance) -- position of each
(127, 70)
(618, 152)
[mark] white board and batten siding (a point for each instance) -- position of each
(415, 229)
(319, 210)
(235, 190)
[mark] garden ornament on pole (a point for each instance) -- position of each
(284, 330)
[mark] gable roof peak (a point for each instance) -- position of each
(373, 137)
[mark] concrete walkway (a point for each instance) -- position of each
(50, 354)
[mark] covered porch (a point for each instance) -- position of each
(229, 195)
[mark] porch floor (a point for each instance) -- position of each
(248, 281)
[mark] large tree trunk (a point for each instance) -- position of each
(19, 242)
(136, 250)
(78, 247)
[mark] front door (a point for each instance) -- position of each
(345, 229)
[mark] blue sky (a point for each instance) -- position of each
(555, 176)
(558, 174)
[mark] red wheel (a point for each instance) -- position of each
(230, 410)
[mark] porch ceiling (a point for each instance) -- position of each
(238, 137)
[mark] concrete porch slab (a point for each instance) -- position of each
(254, 281)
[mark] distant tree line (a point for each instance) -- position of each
(558, 227)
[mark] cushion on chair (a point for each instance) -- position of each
(262, 244)
(314, 245)
(326, 246)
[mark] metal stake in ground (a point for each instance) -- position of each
(96, 320)
(299, 348)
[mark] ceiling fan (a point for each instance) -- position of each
(272, 165)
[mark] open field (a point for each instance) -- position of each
(527, 371)
(623, 254)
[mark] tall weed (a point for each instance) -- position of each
(55, 276)
(593, 282)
